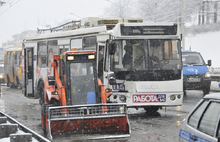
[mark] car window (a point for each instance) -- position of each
(209, 119)
(194, 118)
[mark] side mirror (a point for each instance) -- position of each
(112, 48)
(51, 80)
(209, 62)
(111, 78)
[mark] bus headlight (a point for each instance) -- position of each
(208, 74)
(122, 98)
(172, 97)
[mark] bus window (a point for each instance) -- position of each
(52, 50)
(41, 53)
(76, 43)
(89, 42)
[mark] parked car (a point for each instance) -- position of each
(203, 122)
(2, 80)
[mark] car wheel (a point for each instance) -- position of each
(206, 90)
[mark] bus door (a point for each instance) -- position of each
(100, 58)
(29, 91)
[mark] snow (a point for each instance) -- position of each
(207, 44)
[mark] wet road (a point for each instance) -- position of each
(164, 126)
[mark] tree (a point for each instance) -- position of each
(120, 8)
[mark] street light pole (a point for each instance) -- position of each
(182, 25)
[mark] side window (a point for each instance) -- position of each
(52, 50)
(171, 49)
(89, 42)
(76, 43)
(41, 54)
(194, 118)
(209, 119)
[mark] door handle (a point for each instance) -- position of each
(193, 138)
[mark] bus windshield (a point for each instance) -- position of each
(144, 56)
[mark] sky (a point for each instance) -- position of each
(24, 15)
(207, 44)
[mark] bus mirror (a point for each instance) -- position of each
(209, 62)
(51, 80)
(112, 48)
(111, 78)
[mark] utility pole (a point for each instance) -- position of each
(182, 24)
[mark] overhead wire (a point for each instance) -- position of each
(11, 4)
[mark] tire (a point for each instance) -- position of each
(206, 90)
(43, 118)
(151, 110)
(40, 93)
(184, 92)
(8, 81)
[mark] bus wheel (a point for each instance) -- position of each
(40, 93)
(151, 110)
(18, 83)
(8, 81)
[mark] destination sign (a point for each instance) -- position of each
(148, 30)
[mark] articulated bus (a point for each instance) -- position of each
(140, 62)
(12, 67)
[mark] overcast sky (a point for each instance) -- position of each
(31, 14)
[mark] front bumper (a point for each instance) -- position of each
(199, 83)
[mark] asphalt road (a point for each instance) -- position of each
(163, 126)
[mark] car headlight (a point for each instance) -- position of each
(208, 74)
(1, 76)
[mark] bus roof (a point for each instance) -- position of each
(18, 48)
(63, 34)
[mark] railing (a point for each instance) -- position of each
(215, 73)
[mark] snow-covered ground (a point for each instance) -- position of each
(208, 44)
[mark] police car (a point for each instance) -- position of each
(203, 122)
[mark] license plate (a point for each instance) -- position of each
(194, 79)
(148, 98)
(118, 86)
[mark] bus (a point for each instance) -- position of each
(150, 77)
(12, 67)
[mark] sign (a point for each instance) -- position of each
(148, 30)
(148, 98)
